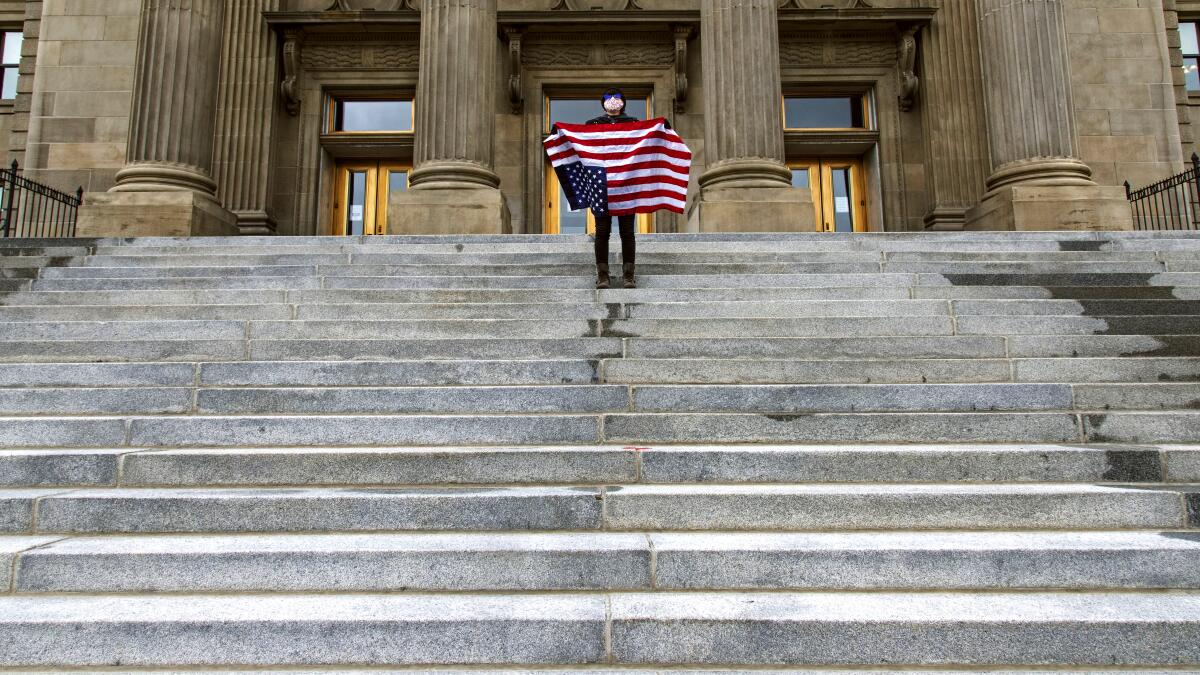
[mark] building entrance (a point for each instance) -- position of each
(577, 108)
(838, 192)
(361, 195)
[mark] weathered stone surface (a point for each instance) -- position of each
(881, 507)
(348, 430)
(339, 562)
(384, 466)
(37, 468)
(835, 428)
(895, 628)
(316, 509)
(301, 629)
(893, 464)
(1077, 560)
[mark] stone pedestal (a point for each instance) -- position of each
(1053, 207)
(182, 213)
(459, 211)
(752, 210)
(453, 187)
(1038, 181)
(166, 187)
(747, 186)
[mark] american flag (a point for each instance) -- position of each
(621, 169)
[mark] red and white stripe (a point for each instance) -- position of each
(647, 163)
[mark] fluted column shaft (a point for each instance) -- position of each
(957, 155)
(743, 135)
(175, 86)
(1031, 116)
(455, 95)
(246, 104)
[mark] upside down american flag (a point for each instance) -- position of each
(621, 169)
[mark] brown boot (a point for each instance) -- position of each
(629, 280)
(602, 280)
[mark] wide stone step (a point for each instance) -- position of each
(1001, 267)
(304, 430)
(1080, 307)
(445, 296)
(636, 310)
(184, 349)
(971, 629)
(750, 370)
(1057, 292)
(602, 465)
(584, 561)
(978, 324)
(767, 399)
(172, 284)
(423, 400)
(35, 313)
(626, 428)
(793, 507)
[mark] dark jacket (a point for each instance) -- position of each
(607, 119)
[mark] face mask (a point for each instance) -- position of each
(614, 105)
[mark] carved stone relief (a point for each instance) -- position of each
(334, 56)
(602, 54)
(830, 50)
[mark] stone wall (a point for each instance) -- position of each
(1124, 90)
(79, 115)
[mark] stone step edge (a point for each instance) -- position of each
(628, 628)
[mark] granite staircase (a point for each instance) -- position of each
(783, 452)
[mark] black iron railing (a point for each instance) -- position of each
(30, 209)
(1170, 204)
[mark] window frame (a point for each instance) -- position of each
(1195, 22)
(335, 100)
(5, 66)
(864, 101)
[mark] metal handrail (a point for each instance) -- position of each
(1170, 204)
(31, 209)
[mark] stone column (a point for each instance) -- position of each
(453, 187)
(1037, 179)
(166, 186)
(957, 158)
(245, 112)
(746, 185)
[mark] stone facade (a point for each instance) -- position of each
(953, 115)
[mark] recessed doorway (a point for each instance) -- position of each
(361, 194)
(839, 192)
(578, 109)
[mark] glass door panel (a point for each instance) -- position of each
(838, 192)
(363, 191)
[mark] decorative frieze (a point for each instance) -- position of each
(836, 49)
(598, 54)
(343, 56)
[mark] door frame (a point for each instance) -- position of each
(375, 208)
(820, 173)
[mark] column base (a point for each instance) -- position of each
(181, 213)
(945, 219)
(752, 210)
(256, 223)
(454, 211)
(1053, 207)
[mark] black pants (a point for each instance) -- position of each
(604, 232)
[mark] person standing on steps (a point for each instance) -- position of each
(613, 101)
